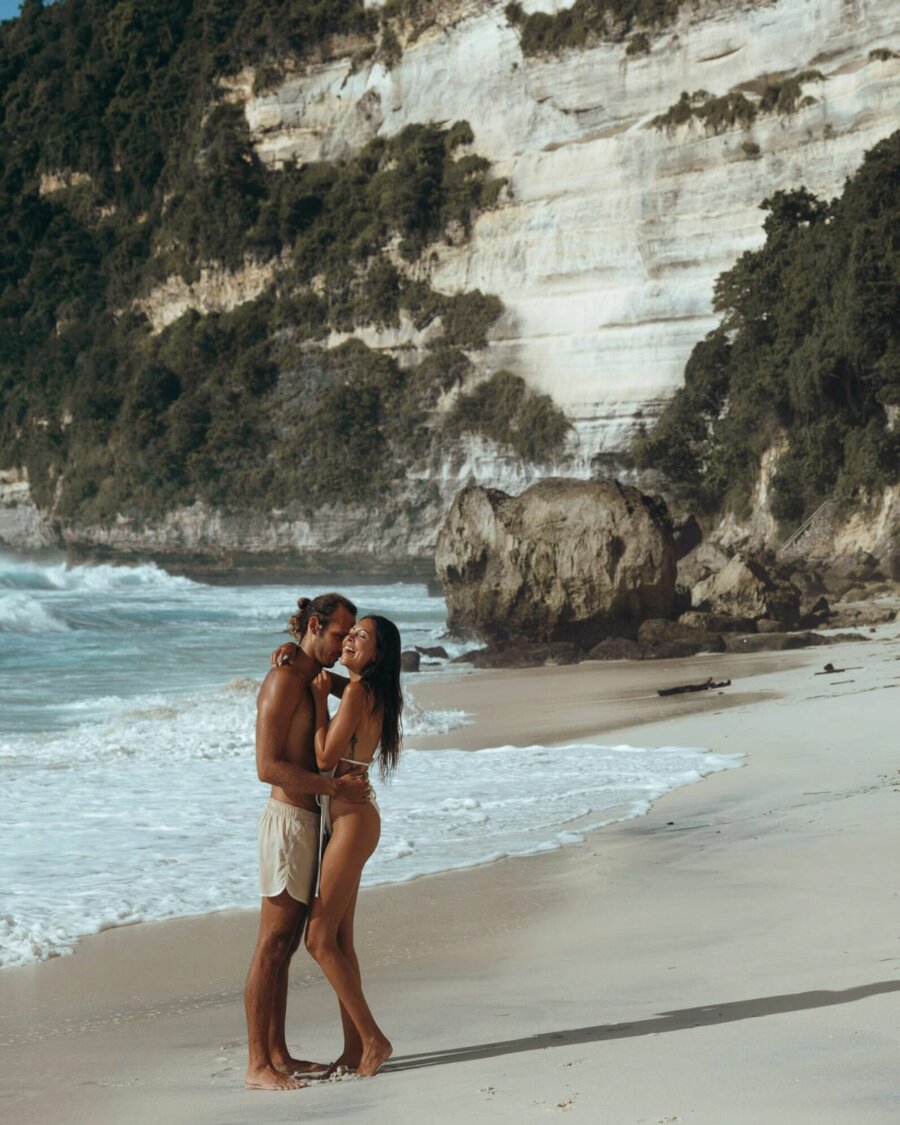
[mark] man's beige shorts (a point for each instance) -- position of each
(288, 850)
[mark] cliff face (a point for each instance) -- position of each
(605, 247)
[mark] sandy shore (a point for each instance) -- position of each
(730, 959)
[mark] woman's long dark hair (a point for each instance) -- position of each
(382, 681)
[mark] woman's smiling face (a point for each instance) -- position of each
(360, 646)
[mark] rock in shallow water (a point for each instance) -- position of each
(566, 560)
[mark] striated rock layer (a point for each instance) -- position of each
(565, 561)
(606, 245)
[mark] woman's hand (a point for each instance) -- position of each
(321, 686)
(284, 654)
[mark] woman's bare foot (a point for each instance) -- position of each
(268, 1078)
(300, 1067)
(347, 1061)
(374, 1057)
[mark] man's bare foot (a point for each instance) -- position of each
(300, 1067)
(374, 1057)
(268, 1078)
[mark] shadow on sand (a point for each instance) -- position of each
(665, 1021)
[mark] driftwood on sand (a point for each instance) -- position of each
(707, 685)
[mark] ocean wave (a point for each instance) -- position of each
(143, 840)
(23, 614)
(158, 727)
(25, 574)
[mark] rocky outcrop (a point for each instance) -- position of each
(566, 561)
(21, 524)
(216, 290)
(745, 588)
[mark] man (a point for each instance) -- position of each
(289, 831)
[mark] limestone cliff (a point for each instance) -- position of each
(606, 245)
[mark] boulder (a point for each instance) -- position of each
(745, 588)
(705, 560)
(687, 535)
(436, 652)
(815, 614)
(808, 582)
(616, 648)
(410, 661)
(717, 622)
(852, 570)
(772, 642)
(858, 616)
(468, 657)
(659, 638)
(566, 560)
(529, 656)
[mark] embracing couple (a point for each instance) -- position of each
(320, 825)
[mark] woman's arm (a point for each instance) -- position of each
(333, 735)
(286, 653)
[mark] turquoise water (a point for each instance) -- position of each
(129, 788)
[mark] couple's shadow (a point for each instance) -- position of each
(666, 1021)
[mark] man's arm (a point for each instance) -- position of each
(285, 654)
(278, 700)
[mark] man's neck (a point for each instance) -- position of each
(307, 664)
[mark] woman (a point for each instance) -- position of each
(367, 721)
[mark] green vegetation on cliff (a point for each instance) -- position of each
(125, 162)
(506, 411)
(807, 357)
(588, 22)
(783, 95)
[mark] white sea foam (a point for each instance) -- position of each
(33, 575)
(152, 821)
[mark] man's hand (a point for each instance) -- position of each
(352, 786)
(284, 654)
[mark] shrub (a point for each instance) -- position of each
(504, 410)
(638, 45)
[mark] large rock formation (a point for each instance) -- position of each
(565, 561)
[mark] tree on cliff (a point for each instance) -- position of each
(808, 350)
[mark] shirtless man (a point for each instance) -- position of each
(289, 831)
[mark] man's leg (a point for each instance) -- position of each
(278, 925)
(279, 1052)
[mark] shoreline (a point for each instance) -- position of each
(483, 687)
(548, 983)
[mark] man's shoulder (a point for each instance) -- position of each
(284, 683)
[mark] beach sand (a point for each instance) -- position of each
(732, 958)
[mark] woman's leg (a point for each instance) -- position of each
(352, 1053)
(354, 837)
